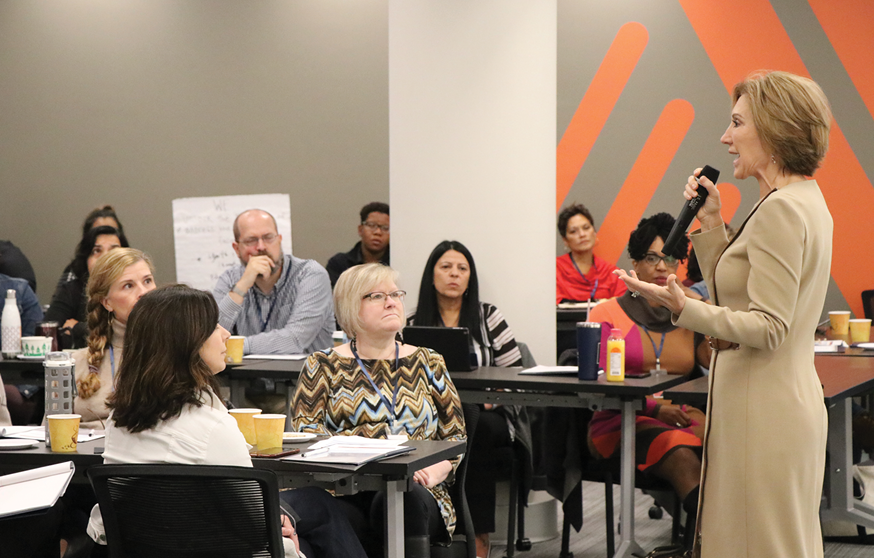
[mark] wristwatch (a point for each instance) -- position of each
(238, 291)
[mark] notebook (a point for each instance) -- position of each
(451, 342)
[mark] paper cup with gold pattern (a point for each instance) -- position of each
(860, 331)
(64, 432)
(840, 322)
(246, 423)
(234, 345)
(269, 430)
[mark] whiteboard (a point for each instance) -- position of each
(203, 231)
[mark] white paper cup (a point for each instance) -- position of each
(36, 346)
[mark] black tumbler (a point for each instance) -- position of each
(588, 349)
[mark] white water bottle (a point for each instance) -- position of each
(10, 326)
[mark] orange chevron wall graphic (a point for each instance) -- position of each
(751, 37)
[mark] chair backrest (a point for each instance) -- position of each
(527, 358)
(169, 511)
(868, 304)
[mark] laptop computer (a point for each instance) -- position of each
(451, 342)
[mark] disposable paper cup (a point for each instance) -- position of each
(35, 346)
(246, 423)
(235, 349)
(269, 430)
(64, 432)
(840, 322)
(860, 331)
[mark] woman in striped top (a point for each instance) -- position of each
(449, 297)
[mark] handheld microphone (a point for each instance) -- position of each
(690, 209)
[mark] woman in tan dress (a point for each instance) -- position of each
(764, 455)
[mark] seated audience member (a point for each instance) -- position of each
(279, 303)
(580, 275)
(14, 263)
(375, 386)
(668, 436)
(117, 281)
(98, 217)
(166, 409)
(373, 246)
(449, 297)
(69, 301)
(28, 305)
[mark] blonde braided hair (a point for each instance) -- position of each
(107, 269)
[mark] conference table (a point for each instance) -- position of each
(843, 376)
(394, 475)
(508, 386)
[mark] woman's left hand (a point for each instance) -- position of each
(674, 416)
(433, 475)
(289, 532)
(670, 296)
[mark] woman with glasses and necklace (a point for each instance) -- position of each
(449, 297)
(668, 436)
(376, 386)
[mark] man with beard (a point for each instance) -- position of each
(279, 303)
(373, 247)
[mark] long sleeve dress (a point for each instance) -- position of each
(765, 440)
(335, 397)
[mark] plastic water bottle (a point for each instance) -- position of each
(615, 356)
(10, 324)
(60, 387)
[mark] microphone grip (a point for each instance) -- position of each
(689, 211)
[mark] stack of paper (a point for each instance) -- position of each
(35, 489)
(39, 433)
(829, 346)
(351, 450)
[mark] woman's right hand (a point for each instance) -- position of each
(709, 214)
(70, 323)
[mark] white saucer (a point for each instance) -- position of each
(297, 437)
(866, 346)
(14, 444)
(24, 357)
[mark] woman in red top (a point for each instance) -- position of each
(580, 275)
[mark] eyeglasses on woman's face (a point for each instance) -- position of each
(653, 259)
(379, 297)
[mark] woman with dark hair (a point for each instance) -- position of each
(166, 409)
(767, 424)
(102, 216)
(580, 275)
(376, 387)
(668, 436)
(449, 297)
(69, 302)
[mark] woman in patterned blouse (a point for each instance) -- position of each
(376, 387)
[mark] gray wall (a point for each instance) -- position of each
(138, 102)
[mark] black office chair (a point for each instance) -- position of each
(868, 304)
(188, 511)
(463, 540)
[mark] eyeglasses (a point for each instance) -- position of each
(374, 226)
(653, 259)
(267, 239)
(397, 296)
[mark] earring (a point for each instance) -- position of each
(773, 160)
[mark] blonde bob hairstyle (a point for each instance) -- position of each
(350, 289)
(792, 117)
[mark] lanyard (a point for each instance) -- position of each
(112, 364)
(586, 279)
(394, 397)
(658, 352)
(269, 312)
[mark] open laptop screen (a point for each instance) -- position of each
(451, 342)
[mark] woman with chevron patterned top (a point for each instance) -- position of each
(376, 386)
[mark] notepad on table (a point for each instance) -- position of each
(35, 489)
